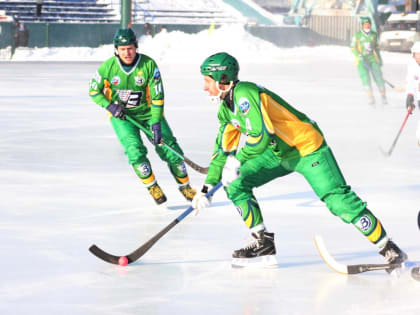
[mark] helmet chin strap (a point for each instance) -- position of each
(216, 99)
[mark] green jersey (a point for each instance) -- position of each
(267, 120)
(365, 45)
(139, 87)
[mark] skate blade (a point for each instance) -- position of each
(268, 261)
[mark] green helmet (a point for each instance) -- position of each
(365, 19)
(222, 67)
(125, 36)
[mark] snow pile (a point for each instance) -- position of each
(179, 47)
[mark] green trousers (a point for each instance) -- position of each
(367, 67)
(130, 138)
(321, 171)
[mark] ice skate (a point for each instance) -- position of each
(393, 255)
(261, 252)
(157, 193)
(187, 191)
(384, 100)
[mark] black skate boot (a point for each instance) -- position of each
(157, 193)
(187, 191)
(261, 251)
(393, 255)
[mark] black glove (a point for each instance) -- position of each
(117, 110)
(157, 133)
(409, 102)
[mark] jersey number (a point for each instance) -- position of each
(158, 88)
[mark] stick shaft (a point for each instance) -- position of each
(198, 168)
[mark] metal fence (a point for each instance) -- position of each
(333, 30)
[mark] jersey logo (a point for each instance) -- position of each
(134, 99)
(244, 105)
(236, 124)
(156, 74)
(139, 80)
(115, 80)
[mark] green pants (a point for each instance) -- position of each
(130, 138)
(369, 66)
(321, 171)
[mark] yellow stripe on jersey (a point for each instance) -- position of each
(358, 47)
(107, 91)
(230, 138)
(253, 140)
(148, 97)
(157, 102)
(288, 127)
(376, 234)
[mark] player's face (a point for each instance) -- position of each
(417, 57)
(127, 53)
(210, 86)
(366, 26)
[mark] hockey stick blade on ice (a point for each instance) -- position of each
(389, 152)
(347, 269)
(198, 168)
(398, 89)
(139, 252)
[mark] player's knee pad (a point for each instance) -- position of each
(238, 191)
(344, 203)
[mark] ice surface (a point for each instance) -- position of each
(65, 184)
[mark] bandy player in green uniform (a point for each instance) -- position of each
(364, 46)
(130, 83)
(279, 140)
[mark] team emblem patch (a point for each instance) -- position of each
(364, 223)
(156, 74)
(236, 124)
(181, 167)
(139, 80)
(244, 105)
(144, 169)
(115, 80)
